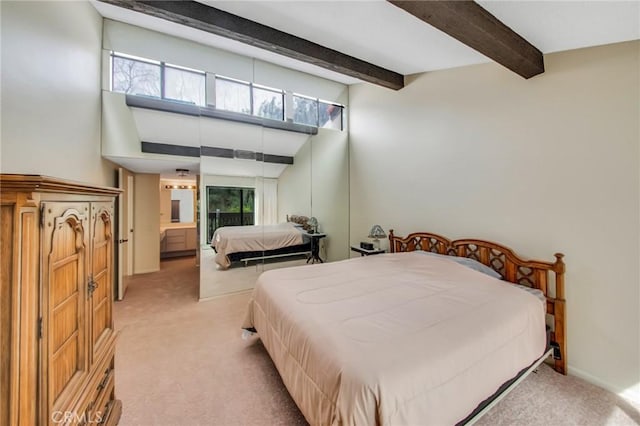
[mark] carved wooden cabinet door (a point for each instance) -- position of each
(64, 305)
(101, 277)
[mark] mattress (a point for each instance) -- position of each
(235, 239)
(394, 339)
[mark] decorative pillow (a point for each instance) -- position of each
(300, 220)
(469, 263)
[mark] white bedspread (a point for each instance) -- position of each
(234, 239)
(394, 339)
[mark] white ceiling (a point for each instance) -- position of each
(380, 33)
(165, 167)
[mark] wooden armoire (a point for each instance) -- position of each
(56, 300)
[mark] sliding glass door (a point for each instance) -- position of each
(229, 206)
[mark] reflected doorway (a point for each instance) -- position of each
(229, 206)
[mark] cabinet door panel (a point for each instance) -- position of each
(6, 293)
(102, 271)
(64, 302)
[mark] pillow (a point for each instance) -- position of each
(469, 263)
(536, 292)
(481, 267)
(300, 220)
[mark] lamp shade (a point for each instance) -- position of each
(377, 232)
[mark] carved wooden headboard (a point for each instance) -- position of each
(512, 268)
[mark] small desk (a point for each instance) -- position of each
(365, 252)
(315, 247)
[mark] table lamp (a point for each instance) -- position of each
(376, 233)
(313, 222)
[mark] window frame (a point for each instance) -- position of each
(163, 66)
(140, 60)
(334, 104)
(235, 80)
(267, 89)
(203, 74)
(311, 98)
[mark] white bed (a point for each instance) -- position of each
(228, 240)
(394, 339)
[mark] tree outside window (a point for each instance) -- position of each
(136, 77)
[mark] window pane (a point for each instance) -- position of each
(248, 201)
(135, 77)
(233, 96)
(268, 104)
(229, 207)
(184, 86)
(330, 116)
(305, 111)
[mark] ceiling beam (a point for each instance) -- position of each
(468, 22)
(221, 23)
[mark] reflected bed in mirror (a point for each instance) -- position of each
(313, 184)
(246, 192)
(243, 244)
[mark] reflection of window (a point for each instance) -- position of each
(305, 110)
(136, 77)
(228, 206)
(268, 103)
(184, 85)
(233, 95)
(329, 115)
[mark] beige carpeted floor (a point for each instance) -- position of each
(215, 281)
(181, 362)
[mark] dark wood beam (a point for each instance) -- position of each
(215, 21)
(469, 23)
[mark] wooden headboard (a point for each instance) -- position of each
(512, 268)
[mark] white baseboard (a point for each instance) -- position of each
(145, 271)
(206, 299)
(624, 393)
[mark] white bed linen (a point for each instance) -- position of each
(394, 339)
(234, 239)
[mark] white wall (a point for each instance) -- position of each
(542, 165)
(51, 69)
(317, 184)
(330, 190)
(294, 185)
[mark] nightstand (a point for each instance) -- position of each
(365, 252)
(315, 247)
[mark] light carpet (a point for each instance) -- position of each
(181, 362)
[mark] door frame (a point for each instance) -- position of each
(124, 241)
